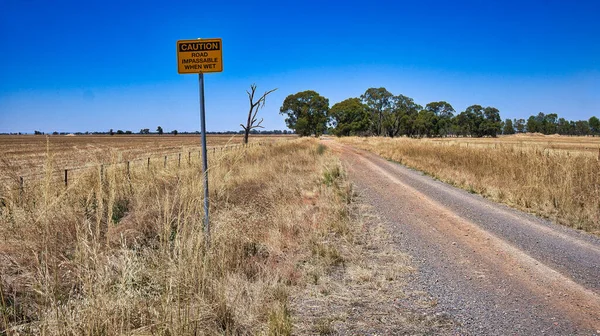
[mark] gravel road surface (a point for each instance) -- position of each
(495, 270)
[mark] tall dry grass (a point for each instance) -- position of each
(115, 254)
(556, 184)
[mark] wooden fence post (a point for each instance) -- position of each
(179, 160)
(66, 177)
(128, 175)
(189, 158)
(148, 163)
(165, 161)
(21, 187)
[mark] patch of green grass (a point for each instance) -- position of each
(280, 321)
(120, 209)
(324, 326)
(321, 149)
(332, 175)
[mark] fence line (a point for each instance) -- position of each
(65, 180)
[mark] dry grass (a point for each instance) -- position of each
(117, 254)
(559, 184)
(361, 288)
(27, 154)
(552, 143)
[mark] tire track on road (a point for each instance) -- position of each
(482, 278)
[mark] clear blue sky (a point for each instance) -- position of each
(95, 65)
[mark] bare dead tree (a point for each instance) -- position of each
(254, 107)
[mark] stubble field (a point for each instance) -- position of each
(31, 157)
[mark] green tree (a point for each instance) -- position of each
(400, 114)
(350, 117)
(159, 130)
(519, 125)
(532, 125)
(594, 123)
(307, 112)
(174, 132)
(582, 127)
(444, 112)
(551, 123)
(491, 124)
(111, 132)
(508, 127)
(425, 123)
(469, 122)
(378, 100)
(564, 127)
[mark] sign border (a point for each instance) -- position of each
(199, 40)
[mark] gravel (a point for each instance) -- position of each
(495, 270)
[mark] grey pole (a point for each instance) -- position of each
(204, 159)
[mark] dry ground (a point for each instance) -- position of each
(27, 156)
(117, 253)
(492, 269)
(124, 253)
(521, 171)
(573, 144)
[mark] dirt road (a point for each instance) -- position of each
(495, 270)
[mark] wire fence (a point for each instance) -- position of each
(150, 160)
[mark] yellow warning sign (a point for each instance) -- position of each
(202, 55)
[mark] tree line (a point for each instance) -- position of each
(381, 113)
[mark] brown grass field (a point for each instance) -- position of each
(552, 176)
(24, 156)
(124, 254)
(118, 252)
(572, 144)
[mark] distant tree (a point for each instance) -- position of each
(532, 125)
(111, 132)
(444, 112)
(594, 123)
(350, 117)
(307, 112)
(564, 127)
(145, 131)
(469, 122)
(550, 123)
(425, 123)
(55, 133)
(120, 132)
(582, 127)
(128, 132)
(378, 100)
(508, 127)
(519, 125)
(38, 132)
(491, 124)
(159, 130)
(174, 132)
(254, 107)
(400, 116)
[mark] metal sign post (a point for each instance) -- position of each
(204, 158)
(197, 57)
